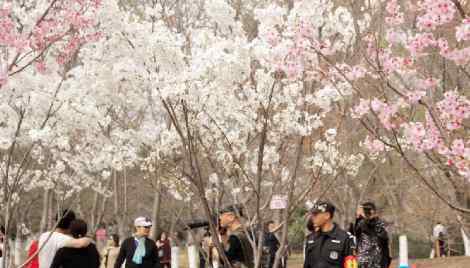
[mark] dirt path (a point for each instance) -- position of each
(454, 262)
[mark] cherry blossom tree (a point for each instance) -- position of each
(411, 90)
(39, 41)
(245, 109)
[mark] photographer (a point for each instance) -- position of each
(372, 238)
(236, 244)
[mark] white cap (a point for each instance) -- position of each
(142, 222)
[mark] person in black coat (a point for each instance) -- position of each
(372, 238)
(77, 257)
(139, 251)
(270, 245)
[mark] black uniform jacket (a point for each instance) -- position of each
(328, 250)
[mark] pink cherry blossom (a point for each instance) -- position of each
(355, 72)
(415, 133)
(386, 115)
(458, 147)
(463, 30)
(436, 13)
(419, 43)
(272, 37)
(377, 105)
(433, 135)
(430, 83)
(361, 109)
(453, 109)
(61, 31)
(40, 67)
(390, 63)
(374, 146)
(396, 17)
(392, 7)
(415, 96)
(459, 56)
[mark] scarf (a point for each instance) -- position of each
(139, 251)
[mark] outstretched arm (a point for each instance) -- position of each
(77, 243)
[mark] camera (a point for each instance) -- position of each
(196, 224)
(204, 224)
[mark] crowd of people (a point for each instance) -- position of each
(364, 245)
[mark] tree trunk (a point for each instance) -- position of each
(93, 214)
(51, 214)
(45, 212)
(103, 206)
(156, 213)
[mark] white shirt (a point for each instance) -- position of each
(57, 241)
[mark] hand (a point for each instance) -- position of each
(210, 242)
(224, 239)
(360, 213)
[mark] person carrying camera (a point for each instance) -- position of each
(372, 238)
(236, 244)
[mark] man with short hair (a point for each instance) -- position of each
(77, 257)
(51, 242)
(328, 246)
(372, 238)
(237, 245)
(139, 251)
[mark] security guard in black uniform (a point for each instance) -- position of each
(328, 246)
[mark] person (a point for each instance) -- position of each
(51, 242)
(206, 256)
(372, 238)
(101, 236)
(77, 257)
(327, 246)
(164, 250)
(33, 248)
(2, 240)
(237, 246)
(110, 252)
(139, 251)
(270, 245)
(439, 234)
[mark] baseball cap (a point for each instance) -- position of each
(322, 207)
(142, 222)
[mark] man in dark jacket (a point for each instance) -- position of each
(236, 243)
(328, 246)
(139, 251)
(372, 238)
